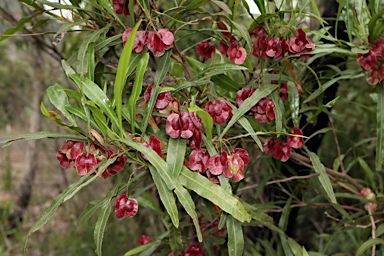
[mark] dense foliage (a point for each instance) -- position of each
(212, 119)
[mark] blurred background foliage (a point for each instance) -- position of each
(315, 225)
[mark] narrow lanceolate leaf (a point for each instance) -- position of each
(174, 236)
(260, 93)
(248, 127)
(91, 61)
(161, 72)
(294, 103)
(218, 69)
(96, 95)
(59, 99)
(19, 27)
(121, 74)
(166, 196)
(176, 155)
(160, 165)
(82, 57)
(214, 193)
(101, 223)
(90, 209)
(42, 135)
(368, 244)
(107, 5)
(323, 177)
(136, 90)
(235, 237)
(226, 82)
(142, 248)
(189, 206)
(380, 128)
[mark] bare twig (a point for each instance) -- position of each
(280, 181)
(337, 145)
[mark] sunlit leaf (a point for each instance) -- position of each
(176, 155)
(59, 99)
(235, 237)
(100, 226)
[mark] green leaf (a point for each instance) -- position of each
(176, 155)
(19, 27)
(161, 72)
(89, 210)
(206, 119)
(217, 69)
(175, 238)
(189, 206)
(226, 82)
(42, 135)
(91, 61)
(323, 177)
(166, 196)
(84, 51)
(275, 97)
(235, 237)
(214, 193)
(368, 173)
(121, 75)
(248, 127)
(196, 4)
(96, 95)
(136, 90)
(325, 86)
(101, 223)
(260, 5)
(294, 103)
(368, 244)
(107, 5)
(160, 165)
(59, 99)
(380, 128)
(374, 32)
(260, 93)
(142, 248)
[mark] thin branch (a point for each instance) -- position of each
(337, 145)
(373, 230)
(280, 181)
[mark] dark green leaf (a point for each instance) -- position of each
(176, 155)
(368, 244)
(121, 75)
(136, 90)
(189, 206)
(323, 178)
(166, 196)
(226, 82)
(235, 237)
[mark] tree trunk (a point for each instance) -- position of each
(31, 157)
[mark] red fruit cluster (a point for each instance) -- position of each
(278, 47)
(281, 150)
(85, 156)
(219, 110)
(263, 110)
(144, 240)
(233, 51)
(125, 206)
(157, 42)
(121, 7)
(230, 164)
(194, 250)
(373, 62)
(205, 49)
(163, 99)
